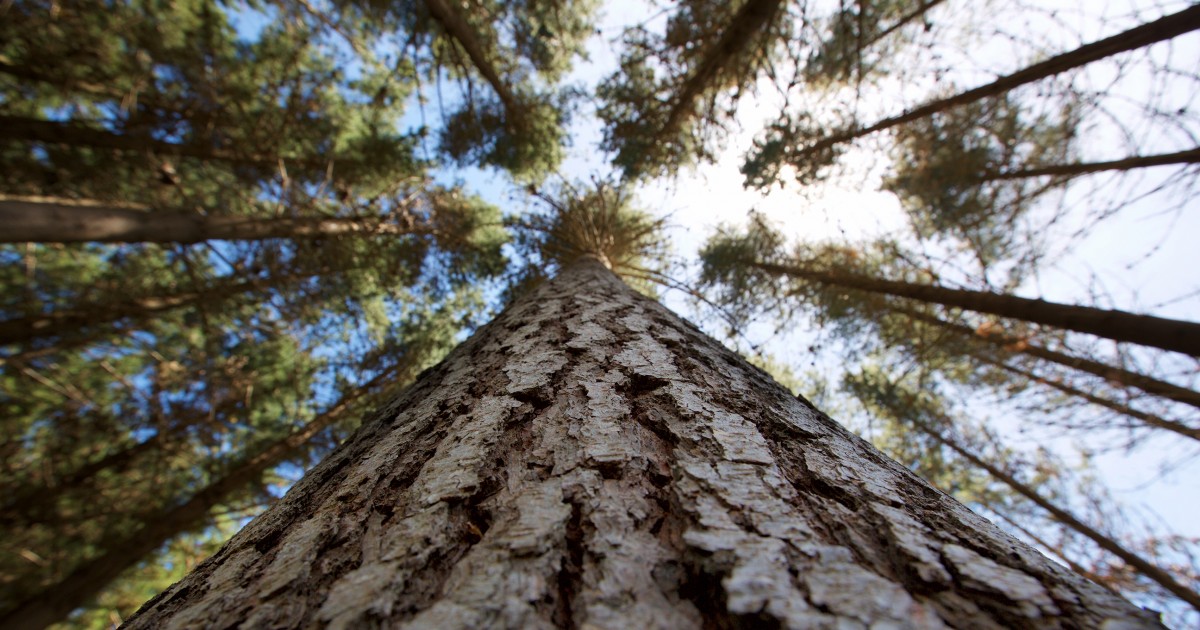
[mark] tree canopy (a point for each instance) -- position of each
(229, 229)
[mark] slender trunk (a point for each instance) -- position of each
(1067, 519)
(122, 551)
(81, 135)
(66, 321)
(1147, 418)
(590, 460)
(43, 220)
(65, 84)
(1191, 156)
(1128, 378)
(1162, 29)
(903, 21)
(751, 18)
(459, 30)
(1147, 330)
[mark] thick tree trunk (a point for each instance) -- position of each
(1162, 29)
(1128, 378)
(69, 221)
(1158, 332)
(590, 460)
(55, 601)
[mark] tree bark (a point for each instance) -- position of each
(589, 460)
(1191, 156)
(1128, 378)
(43, 220)
(54, 602)
(1162, 29)
(1158, 332)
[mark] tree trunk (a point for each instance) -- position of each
(1152, 386)
(1191, 156)
(54, 602)
(37, 504)
(1147, 330)
(1148, 419)
(1067, 519)
(60, 322)
(459, 30)
(750, 20)
(589, 460)
(81, 135)
(1162, 29)
(69, 221)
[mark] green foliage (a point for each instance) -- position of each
(170, 368)
(947, 167)
(528, 142)
(893, 406)
(859, 38)
(152, 372)
(601, 221)
(778, 148)
(675, 92)
(742, 288)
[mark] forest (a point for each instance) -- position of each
(231, 231)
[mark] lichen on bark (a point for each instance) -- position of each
(588, 459)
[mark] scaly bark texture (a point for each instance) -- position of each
(588, 459)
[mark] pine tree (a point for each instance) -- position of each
(588, 458)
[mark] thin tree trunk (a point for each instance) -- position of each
(1148, 419)
(1162, 29)
(1191, 156)
(459, 30)
(1128, 378)
(1143, 566)
(80, 135)
(54, 602)
(751, 18)
(45, 220)
(903, 21)
(590, 460)
(1147, 330)
(65, 84)
(65, 321)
